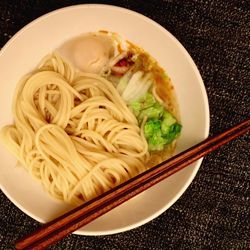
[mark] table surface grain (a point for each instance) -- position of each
(214, 211)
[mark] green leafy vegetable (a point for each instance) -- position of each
(151, 127)
(153, 134)
(147, 100)
(141, 104)
(155, 111)
(161, 127)
(167, 121)
(173, 133)
(136, 107)
(157, 142)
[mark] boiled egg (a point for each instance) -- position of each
(89, 53)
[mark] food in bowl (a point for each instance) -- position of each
(94, 113)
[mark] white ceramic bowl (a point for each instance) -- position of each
(23, 52)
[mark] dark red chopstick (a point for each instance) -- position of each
(82, 215)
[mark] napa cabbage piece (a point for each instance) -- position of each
(134, 85)
(161, 127)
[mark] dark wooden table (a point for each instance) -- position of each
(214, 211)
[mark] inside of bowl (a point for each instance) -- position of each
(26, 49)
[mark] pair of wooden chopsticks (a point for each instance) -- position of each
(82, 215)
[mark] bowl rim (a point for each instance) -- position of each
(201, 85)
